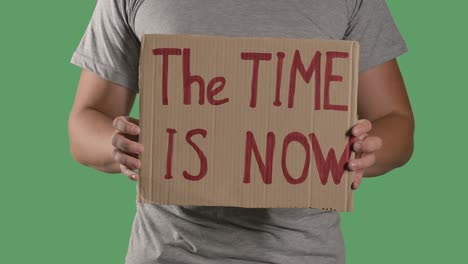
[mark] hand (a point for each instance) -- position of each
(126, 145)
(364, 146)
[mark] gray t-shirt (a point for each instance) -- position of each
(110, 48)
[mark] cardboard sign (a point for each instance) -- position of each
(247, 122)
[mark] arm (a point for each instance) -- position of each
(90, 125)
(383, 100)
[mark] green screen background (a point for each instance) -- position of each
(54, 210)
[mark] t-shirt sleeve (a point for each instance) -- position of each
(371, 23)
(109, 46)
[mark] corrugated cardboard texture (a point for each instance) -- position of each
(197, 152)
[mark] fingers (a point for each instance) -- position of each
(363, 162)
(125, 159)
(129, 173)
(368, 144)
(357, 179)
(128, 163)
(364, 146)
(126, 125)
(124, 144)
(358, 174)
(361, 126)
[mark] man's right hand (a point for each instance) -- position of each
(126, 145)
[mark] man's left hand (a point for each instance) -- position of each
(365, 146)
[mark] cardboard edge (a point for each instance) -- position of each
(189, 35)
(140, 190)
(354, 118)
(144, 194)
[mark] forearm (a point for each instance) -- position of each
(396, 131)
(90, 133)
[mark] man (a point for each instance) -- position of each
(104, 137)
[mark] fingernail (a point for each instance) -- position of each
(133, 176)
(140, 150)
(357, 146)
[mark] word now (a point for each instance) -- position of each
(216, 85)
(324, 165)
